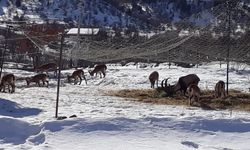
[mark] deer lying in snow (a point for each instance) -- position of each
(220, 89)
(154, 77)
(9, 80)
(99, 69)
(194, 92)
(37, 78)
(75, 75)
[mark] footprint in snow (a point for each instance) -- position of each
(190, 144)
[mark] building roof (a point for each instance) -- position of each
(83, 31)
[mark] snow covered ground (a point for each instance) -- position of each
(106, 123)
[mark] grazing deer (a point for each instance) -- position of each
(99, 69)
(8, 79)
(77, 74)
(220, 89)
(181, 85)
(47, 67)
(154, 77)
(37, 78)
(169, 89)
(194, 92)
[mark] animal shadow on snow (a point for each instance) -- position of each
(13, 109)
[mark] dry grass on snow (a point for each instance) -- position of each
(236, 100)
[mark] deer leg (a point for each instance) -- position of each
(219, 93)
(9, 88)
(84, 79)
(80, 80)
(224, 94)
(4, 86)
(13, 88)
(39, 83)
(47, 83)
(184, 92)
(190, 100)
(75, 80)
(104, 74)
(195, 98)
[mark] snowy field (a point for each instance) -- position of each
(111, 123)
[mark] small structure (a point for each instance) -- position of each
(83, 31)
(80, 33)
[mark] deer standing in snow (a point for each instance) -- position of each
(220, 89)
(154, 78)
(99, 69)
(9, 80)
(37, 78)
(194, 93)
(77, 74)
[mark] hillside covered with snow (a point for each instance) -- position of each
(144, 14)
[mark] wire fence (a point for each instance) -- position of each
(187, 44)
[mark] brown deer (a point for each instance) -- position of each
(77, 74)
(47, 67)
(181, 85)
(169, 89)
(99, 69)
(194, 92)
(37, 78)
(8, 79)
(154, 77)
(220, 89)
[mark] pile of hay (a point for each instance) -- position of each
(236, 100)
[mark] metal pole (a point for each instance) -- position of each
(4, 51)
(169, 63)
(197, 59)
(229, 39)
(59, 75)
(79, 28)
(3, 54)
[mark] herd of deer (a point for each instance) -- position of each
(188, 83)
(8, 80)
